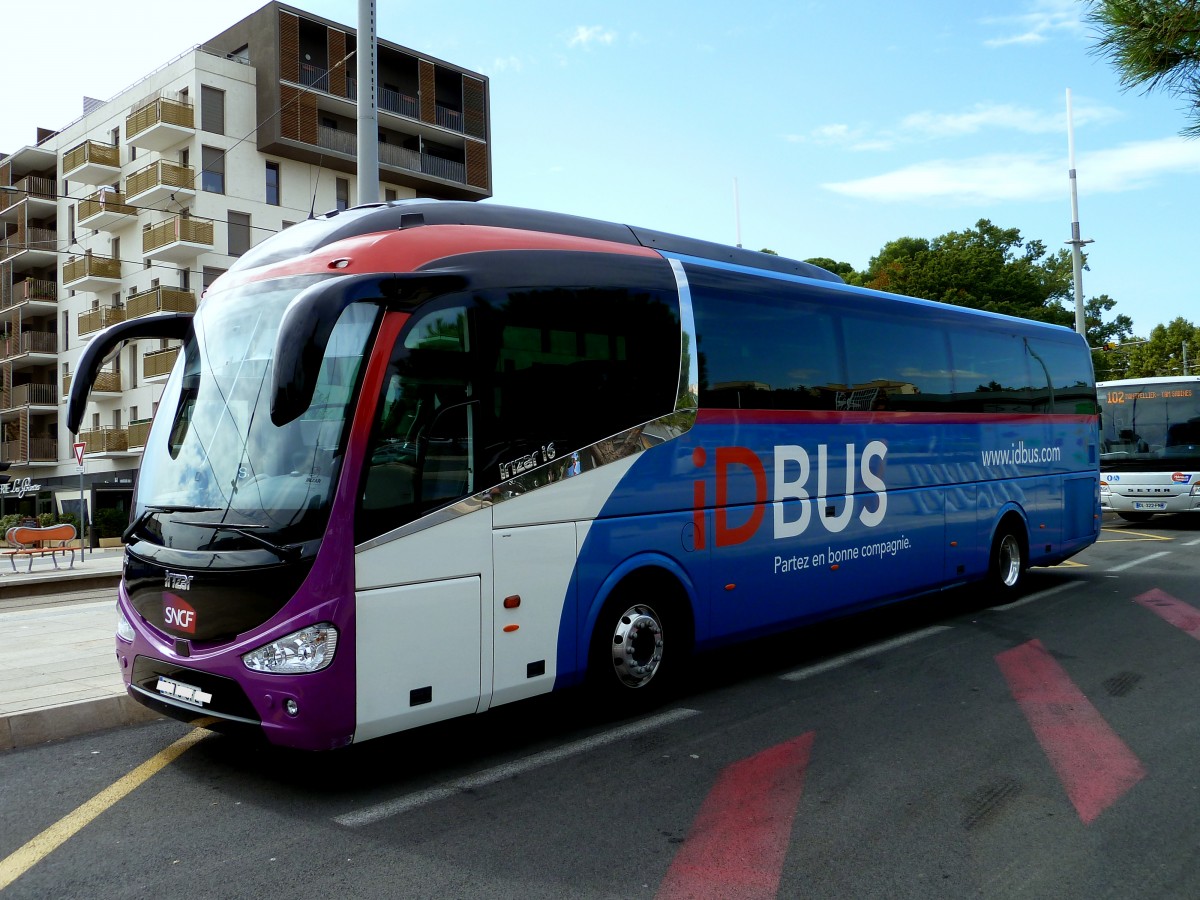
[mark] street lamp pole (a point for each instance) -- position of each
(1076, 242)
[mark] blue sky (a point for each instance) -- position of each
(844, 123)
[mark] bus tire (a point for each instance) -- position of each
(1135, 516)
(1008, 562)
(640, 642)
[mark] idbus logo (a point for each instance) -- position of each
(792, 470)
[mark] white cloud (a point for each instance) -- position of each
(587, 35)
(1044, 19)
(1024, 177)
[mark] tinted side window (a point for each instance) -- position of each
(1071, 379)
(895, 364)
(763, 345)
(993, 372)
(571, 367)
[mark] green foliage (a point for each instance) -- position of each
(110, 522)
(986, 267)
(1107, 363)
(45, 519)
(1154, 44)
(847, 271)
(1163, 353)
(9, 521)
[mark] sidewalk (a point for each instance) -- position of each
(60, 676)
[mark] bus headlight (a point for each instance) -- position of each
(124, 629)
(307, 650)
(1103, 488)
(1196, 489)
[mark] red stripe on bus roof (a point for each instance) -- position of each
(411, 248)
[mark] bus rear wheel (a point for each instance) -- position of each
(1006, 570)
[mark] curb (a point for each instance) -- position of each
(71, 720)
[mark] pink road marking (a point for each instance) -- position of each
(738, 842)
(1093, 764)
(1181, 615)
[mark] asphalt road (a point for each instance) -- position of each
(932, 749)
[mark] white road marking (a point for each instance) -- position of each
(1138, 562)
(846, 659)
(1041, 595)
(409, 802)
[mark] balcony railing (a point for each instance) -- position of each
(100, 317)
(42, 289)
(160, 174)
(91, 266)
(102, 440)
(29, 395)
(159, 362)
(159, 111)
(397, 157)
(39, 450)
(159, 299)
(401, 104)
(139, 430)
(448, 117)
(108, 381)
(42, 239)
(32, 186)
(28, 342)
(92, 153)
(104, 202)
(174, 230)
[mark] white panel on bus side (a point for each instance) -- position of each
(420, 608)
(418, 655)
(578, 498)
(534, 569)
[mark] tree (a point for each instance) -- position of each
(844, 269)
(1154, 44)
(1100, 334)
(986, 267)
(1163, 353)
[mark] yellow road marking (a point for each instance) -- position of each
(25, 858)
(1071, 564)
(1138, 535)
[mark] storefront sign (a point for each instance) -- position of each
(19, 487)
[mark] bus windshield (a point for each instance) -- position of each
(1149, 427)
(214, 458)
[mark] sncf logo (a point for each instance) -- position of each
(793, 480)
(178, 614)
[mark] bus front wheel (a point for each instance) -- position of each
(1006, 572)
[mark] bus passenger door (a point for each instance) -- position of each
(534, 580)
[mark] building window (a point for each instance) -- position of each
(212, 110)
(66, 332)
(185, 279)
(211, 274)
(212, 179)
(239, 233)
(389, 194)
(343, 194)
(287, 225)
(273, 183)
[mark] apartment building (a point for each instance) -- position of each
(137, 206)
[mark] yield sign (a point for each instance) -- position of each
(79, 449)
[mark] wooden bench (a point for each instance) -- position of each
(30, 541)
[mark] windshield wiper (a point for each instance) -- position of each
(246, 530)
(154, 509)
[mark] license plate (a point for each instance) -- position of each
(1150, 505)
(186, 693)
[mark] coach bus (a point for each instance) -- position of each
(419, 459)
(1150, 446)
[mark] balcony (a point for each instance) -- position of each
(159, 299)
(177, 239)
(104, 209)
(38, 347)
(395, 157)
(30, 451)
(105, 441)
(37, 193)
(108, 381)
(38, 295)
(100, 317)
(159, 182)
(23, 395)
(161, 124)
(92, 273)
(139, 430)
(92, 163)
(36, 248)
(157, 364)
